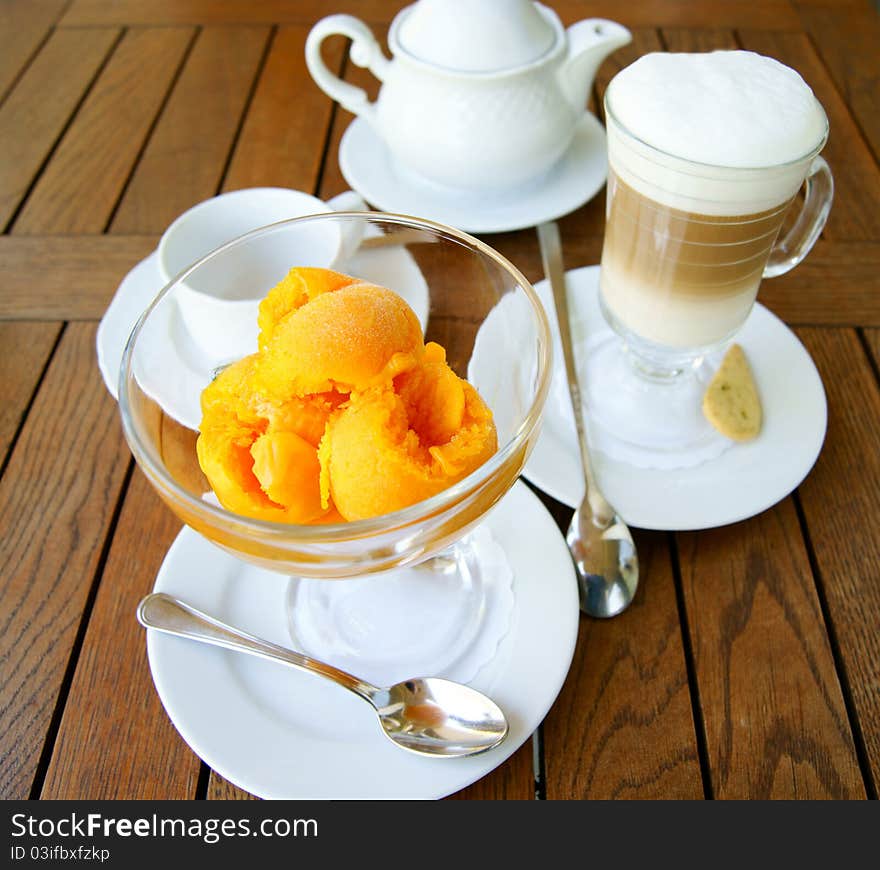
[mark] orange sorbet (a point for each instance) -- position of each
(343, 413)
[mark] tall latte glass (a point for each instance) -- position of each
(707, 157)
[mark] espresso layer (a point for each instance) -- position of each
(686, 252)
(678, 278)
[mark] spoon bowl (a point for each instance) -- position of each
(433, 716)
(430, 716)
(606, 562)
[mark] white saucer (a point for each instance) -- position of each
(580, 173)
(743, 481)
(280, 733)
(178, 372)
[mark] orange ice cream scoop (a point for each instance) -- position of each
(343, 413)
(299, 286)
(434, 397)
(262, 460)
(229, 397)
(356, 337)
(384, 450)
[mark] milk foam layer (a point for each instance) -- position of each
(718, 133)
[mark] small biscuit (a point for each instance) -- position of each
(731, 402)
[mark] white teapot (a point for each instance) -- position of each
(481, 95)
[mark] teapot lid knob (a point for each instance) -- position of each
(475, 36)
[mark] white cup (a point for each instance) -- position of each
(219, 307)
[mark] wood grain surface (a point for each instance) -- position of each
(65, 277)
(80, 187)
(762, 13)
(282, 140)
(847, 44)
(25, 25)
(635, 737)
(220, 789)
(748, 665)
(184, 160)
(58, 495)
(26, 348)
(872, 338)
(776, 725)
(841, 499)
(56, 81)
(115, 739)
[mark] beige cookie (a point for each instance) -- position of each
(731, 402)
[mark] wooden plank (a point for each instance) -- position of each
(841, 504)
(855, 215)
(82, 183)
(691, 39)
(282, 139)
(775, 720)
(873, 338)
(115, 740)
(222, 11)
(849, 6)
(24, 25)
(32, 118)
(26, 348)
(847, 41)
(722, 13)
(838, 284)
(622, 726)
(57, 498)
(220, 789)
(65, 277)
(184, 160)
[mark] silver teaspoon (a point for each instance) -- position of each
(431, 716)
(600, 541)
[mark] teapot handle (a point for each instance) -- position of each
(365, 52)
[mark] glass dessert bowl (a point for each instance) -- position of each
(469, 300)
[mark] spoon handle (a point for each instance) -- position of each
(551, 258)
(172, 616)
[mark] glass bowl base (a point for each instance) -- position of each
(443, 617)
(647, 422)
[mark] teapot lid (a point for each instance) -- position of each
(475, 36)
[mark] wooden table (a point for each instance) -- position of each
(749, 664)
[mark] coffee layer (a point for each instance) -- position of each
(685, 251)
(678, 278)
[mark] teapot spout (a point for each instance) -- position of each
(589, 43)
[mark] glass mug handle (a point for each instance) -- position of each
(796, 243)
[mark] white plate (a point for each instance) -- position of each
(575, 179)
(178, 371)
(280, 733)
(743, 481)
